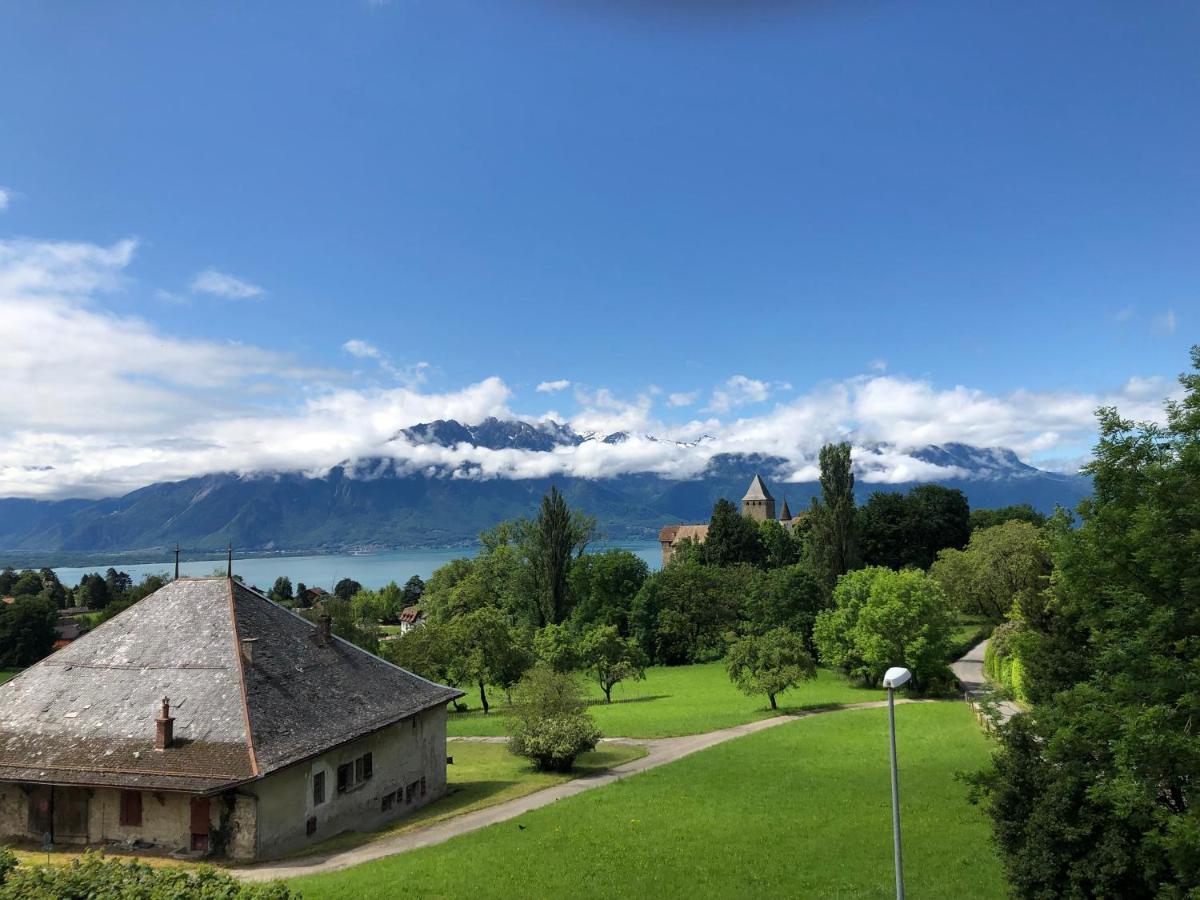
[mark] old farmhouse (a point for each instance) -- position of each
(758, 504)
(207, 719)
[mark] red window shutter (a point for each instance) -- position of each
(131, 809)
(200, 816)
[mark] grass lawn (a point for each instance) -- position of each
(675, 700)
(801, 810)
(483, 775)
(6, 674)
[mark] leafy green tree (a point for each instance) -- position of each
(27, 631)
(553, 540)
(882, 618)
(346, 588)
(604, 585)
(281, 591)
(781, 546)
(1003, 565)
(943, 519)
(412, 591)
(732, 538)
(610, 658)
(1021, 512)
(428, 651)
(682, 612)
(119, 583)
(907, 530)
(368, 609)
(886, 525)
(487, 651)
(28, 584)
(1092, 794)
(833, 538)
(391, 602)
(8, 577)
(92, 592)
(789, 597)
(550, 724)
(769, 663)
(556, 647)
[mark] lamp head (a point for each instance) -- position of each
(896, 677)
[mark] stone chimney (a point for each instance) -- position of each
(247, 645)
(324, 629)
(165, 732)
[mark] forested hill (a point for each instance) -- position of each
(344, 509)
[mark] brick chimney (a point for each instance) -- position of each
(165, 732)
(247, 645)
(324, 629)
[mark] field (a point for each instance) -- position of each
(676, 700)
(7, 674)
(798, 810)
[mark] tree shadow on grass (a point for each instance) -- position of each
(600, 702)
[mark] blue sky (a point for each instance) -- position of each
(808, 197)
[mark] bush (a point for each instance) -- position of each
(1002, 659)
(549, 725)
(95, 878)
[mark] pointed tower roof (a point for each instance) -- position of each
(85, 715)
(786, 514)
(757, 490)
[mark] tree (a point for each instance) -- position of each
(1093, 792)
(682, 612)
(781, 546)
(428, 651)
(550, 725)
(882, 618)
(410, 595)
(281, 591)
(885, 526)
(1003, 565)
(943, 519)
(8, 577)
(27, 631)
(28, 584)
(789, 597)
(604, 585)
(610, 658)
(769, 663)
(834, 533)
(552, 541)
(556, 647)
(907, 530)
(487, 651)
(1021, 512)
(119, 583)
(92, 592)
(346, 588)
(732, 538)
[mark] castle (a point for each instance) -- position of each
(758, 504)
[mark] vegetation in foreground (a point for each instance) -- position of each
(798, 810)
(678, 700)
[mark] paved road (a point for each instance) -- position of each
(661, 752)
(969, 672)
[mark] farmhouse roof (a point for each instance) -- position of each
(757, 490)
(86, 714)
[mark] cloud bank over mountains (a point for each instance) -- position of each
(98, 403)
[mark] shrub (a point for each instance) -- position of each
(549, 725)
(95, 878)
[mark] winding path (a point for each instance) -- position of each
(661, 752)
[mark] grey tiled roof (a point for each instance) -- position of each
(757, 490)
(85, 715)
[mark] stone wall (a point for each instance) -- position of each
(402, 755)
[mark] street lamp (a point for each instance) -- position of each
(893, 678)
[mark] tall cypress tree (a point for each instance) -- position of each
(834, 536)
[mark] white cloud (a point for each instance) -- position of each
(122, 404)
(683, 398)
(878, 365)
(549, 387)
(219, 284)
(1164, 324)
(5, 198)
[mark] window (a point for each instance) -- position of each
(310, 826)
(367, 763)
(411, 791)
(354, 773)
(318, 788)
(422, 785)
(386, 803)
(345, 774)
(359, 767)
(131, 808)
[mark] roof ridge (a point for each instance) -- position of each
(241, 677)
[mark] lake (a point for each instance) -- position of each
(371, 570)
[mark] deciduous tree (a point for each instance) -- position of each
(769, 663)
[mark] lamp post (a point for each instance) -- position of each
(893, 678)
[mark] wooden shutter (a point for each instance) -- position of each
(131, 809)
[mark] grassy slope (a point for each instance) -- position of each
(6, 674)
(678, 700)
(799, 810)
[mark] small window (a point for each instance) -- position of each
(386, 803)
(310, 826)
(318, 788)
(422, 785)
(131, 808)
(359, 767)
(367, 766)
(411, 791)
(345, 775)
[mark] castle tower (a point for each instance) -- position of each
(786, 514)
(758, 503)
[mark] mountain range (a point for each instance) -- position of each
(373, 503)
